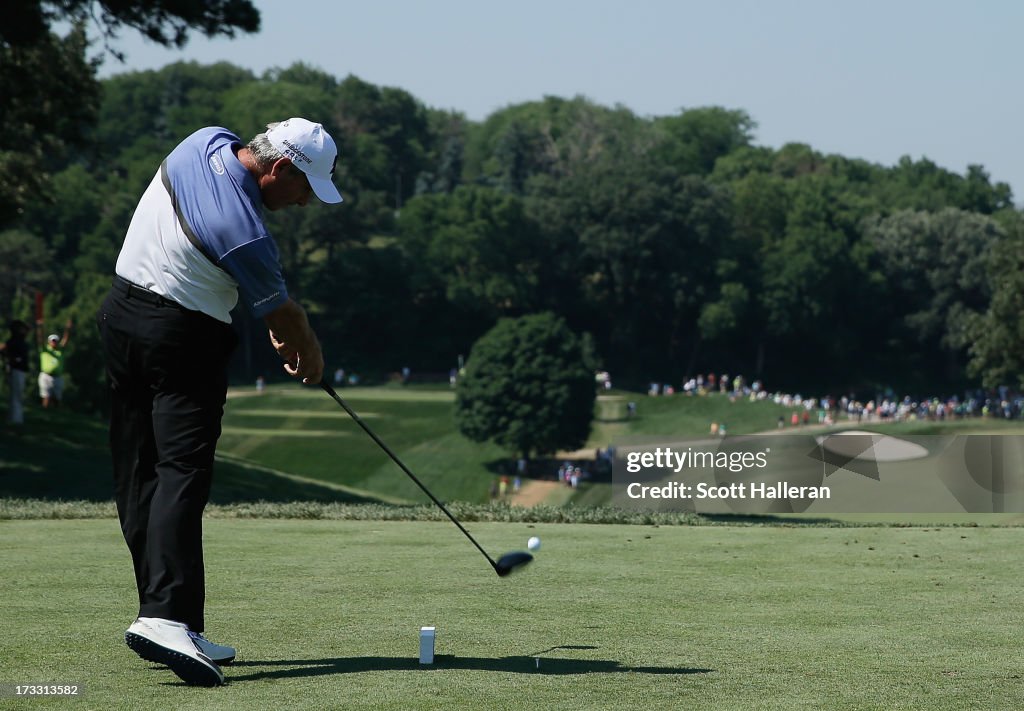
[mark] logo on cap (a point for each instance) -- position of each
(296, 152)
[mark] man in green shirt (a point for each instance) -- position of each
(51, 365)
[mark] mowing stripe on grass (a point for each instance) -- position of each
(303, 414)
(276, 432)
(352, 394)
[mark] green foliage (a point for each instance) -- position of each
(648, 243)
(553, 138)
(697, 138)
(724, 316)
(679, 245)
(805, 270)
(50, 96)
(384, 135)
(26, 264)
(85, 372)
(938, 266)
(249, 106)
(481, 248)
(166, 22)
(528, 387)
(996, 336)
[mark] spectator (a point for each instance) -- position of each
(15, 353)
(51, 364)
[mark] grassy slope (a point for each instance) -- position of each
(62, 455)
(623, 617)
(294, 443)
(417, 424)
(301, 432)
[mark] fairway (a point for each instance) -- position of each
(325, 615)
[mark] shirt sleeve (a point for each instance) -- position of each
(257, 269)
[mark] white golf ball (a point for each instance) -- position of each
(533, 544)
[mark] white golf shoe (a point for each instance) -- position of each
(168, 642)
(219, 653)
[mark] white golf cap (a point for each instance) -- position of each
(53, 337)
(310, 149)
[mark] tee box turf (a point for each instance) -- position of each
(427, 645)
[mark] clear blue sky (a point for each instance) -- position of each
(873, 79)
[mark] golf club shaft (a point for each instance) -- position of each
(337, 398)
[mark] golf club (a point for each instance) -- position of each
(504, 565)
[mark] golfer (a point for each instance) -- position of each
(196, 244)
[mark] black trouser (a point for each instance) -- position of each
(167, 370)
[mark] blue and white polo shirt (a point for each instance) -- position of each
(203, 200)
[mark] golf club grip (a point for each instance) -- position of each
(394, 457)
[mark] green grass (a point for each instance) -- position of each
(680, 415)
(302, 431)
(325, 615)
(61, 455)
(296, 444)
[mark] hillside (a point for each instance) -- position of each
(294, 443)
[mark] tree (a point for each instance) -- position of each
(384, 135)
(481, 246)
(938, 267)
(997, 336)
(27, 22)
(444, 171)
(649, 243)
(699, 137)
(50, 97)
(25, 263)
(49, 88)
(528, 386)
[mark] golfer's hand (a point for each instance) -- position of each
(309, 367)
(287, 353)
(295, 342)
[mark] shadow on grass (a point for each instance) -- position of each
(301, 668)
(739, 519)
(59, 455)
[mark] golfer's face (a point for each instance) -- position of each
(288, 186)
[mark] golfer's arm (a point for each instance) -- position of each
(289, 324)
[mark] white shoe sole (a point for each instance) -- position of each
(226, 661)
(190, 670)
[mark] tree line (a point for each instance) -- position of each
(674, 244)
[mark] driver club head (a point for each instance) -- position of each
(511, 561)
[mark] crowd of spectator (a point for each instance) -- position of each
(1001, 402)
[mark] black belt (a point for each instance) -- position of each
(134, 291)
